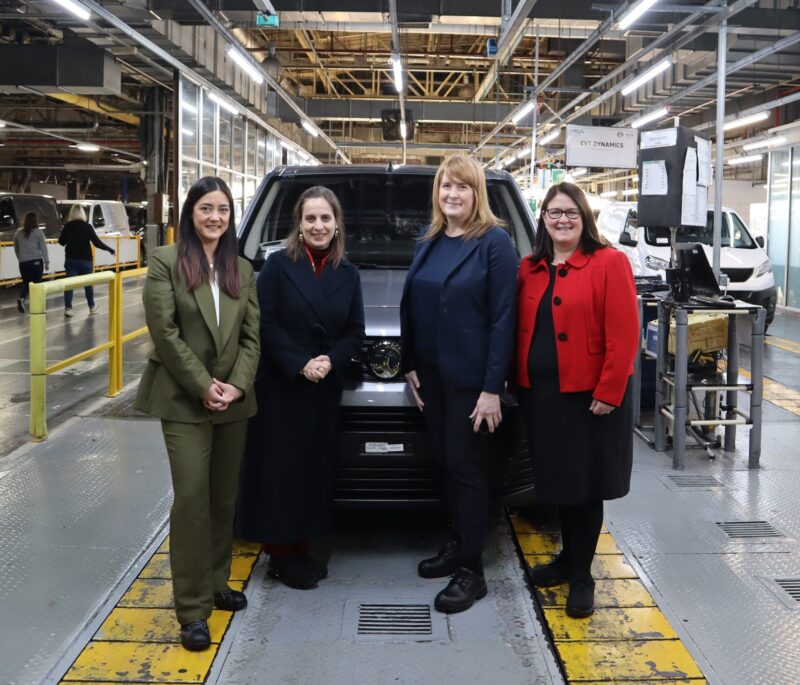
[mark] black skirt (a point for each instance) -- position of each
(577, 456)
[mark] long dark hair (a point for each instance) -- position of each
(591, 239)
(294, 246)
(30, 222)
(192, 262)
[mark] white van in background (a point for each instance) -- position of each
(742, 257)
(107, 216)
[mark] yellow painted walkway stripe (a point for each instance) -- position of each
(783, 344)
(139, 641)
(627, 639)
(778, 394)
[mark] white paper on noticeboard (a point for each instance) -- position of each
(654, 178)
(666, 138)
(689, 189)
(703, 162)
(701, 205)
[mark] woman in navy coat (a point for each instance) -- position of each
(312, 324)
(457, 315)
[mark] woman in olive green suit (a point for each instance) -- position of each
(202, 313)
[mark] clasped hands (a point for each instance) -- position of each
(220, 395)
(317, 368)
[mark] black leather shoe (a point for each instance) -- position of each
(195, 636)
(580, 601)
(294, 572)
(230, 600)
(319, 567)
(464, 589)
(444, 564)
(546, 575)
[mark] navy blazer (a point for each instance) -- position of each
(303, 316)
(477, 307)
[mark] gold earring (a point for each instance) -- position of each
(301, 237)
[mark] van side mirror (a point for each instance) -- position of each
(760, 240)
(7, 221)
(625, 238)
(99, 222)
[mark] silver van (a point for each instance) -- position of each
(108, 217)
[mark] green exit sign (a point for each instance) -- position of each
(272, 20)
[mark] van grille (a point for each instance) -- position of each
(738, 275)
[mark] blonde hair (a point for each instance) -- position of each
(76, 213)
(466, 170)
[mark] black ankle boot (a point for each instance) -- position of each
(552, 573)
(230, 600)
(580, 601)
(195, 635)
(444, 564)
(294, 572)
(464, 589)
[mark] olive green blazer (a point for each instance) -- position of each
(190, 348)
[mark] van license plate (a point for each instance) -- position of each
(382, 447)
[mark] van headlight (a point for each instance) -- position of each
(384, 359)
(764, 268)
(655, 263)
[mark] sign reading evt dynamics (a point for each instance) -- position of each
(596, 146)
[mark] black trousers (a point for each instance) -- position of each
(457, 451)
(580, 530)
(30, 272)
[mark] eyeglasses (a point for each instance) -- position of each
(558, 213)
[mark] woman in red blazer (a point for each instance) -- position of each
(577, 337)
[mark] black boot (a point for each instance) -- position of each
(230, 600)
(294, 571)
(552, 573)
(444, 564)
(195, 636)
(464, 589)
(580, 601)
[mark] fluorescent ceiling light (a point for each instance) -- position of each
(223, 102)
(261, 143)
(769, 142)
(187, 131)
(636, 11)
(550, 136)
(647, 75)
(649, 118)
(609, 193)
(76, 8)
(745, 121)
(747, 159)
(629, 192)
(578, 172)
(2, 124)
(526, 109)
(189, 108)
(308, 126)
(403, 130)
(524, 152)
(397, 69)
(244, 62)
(86, 147)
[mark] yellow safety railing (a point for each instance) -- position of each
(38, 339)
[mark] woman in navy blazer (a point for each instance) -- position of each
(458, 318)
(312, 324)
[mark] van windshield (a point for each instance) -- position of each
(705, 234)
(383, 214)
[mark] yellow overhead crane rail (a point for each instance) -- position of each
(38, 338)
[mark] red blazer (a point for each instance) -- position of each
(595, 317)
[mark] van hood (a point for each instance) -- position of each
(382, 290)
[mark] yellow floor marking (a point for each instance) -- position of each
(628, 639)
(153, 625)
(646, 660)
(132, 662)
(607, 593)
(139, 641)
(523, 525)
(158, 567)
(646, 623)
(603, 566)
(783, 344)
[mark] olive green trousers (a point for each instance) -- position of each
(204, 459)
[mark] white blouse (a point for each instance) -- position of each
(215, 291)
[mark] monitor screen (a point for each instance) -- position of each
(695, 275)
